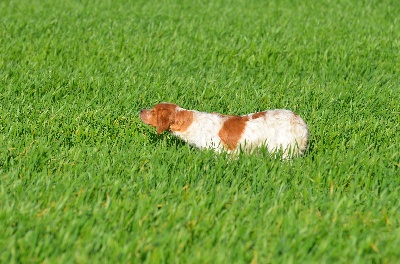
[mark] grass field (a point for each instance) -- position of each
(82, 180)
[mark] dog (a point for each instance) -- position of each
(277, 130)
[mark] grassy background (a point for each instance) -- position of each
(82, 179)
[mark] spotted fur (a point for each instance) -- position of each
(275, 129)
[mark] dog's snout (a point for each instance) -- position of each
(144, 114)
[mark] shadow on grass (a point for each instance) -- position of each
(171, 140)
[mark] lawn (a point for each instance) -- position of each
(83, 180)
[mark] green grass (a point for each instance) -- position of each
(83, 180)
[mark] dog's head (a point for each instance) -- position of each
(163, 116)
(167, 116)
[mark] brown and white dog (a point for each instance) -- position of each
(275, 129)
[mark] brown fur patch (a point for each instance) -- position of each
(232, 131)
(258, 115)
(183, 119)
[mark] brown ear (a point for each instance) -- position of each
(163, 120)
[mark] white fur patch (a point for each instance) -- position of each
(276, 129)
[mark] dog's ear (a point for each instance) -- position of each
(163, 120)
